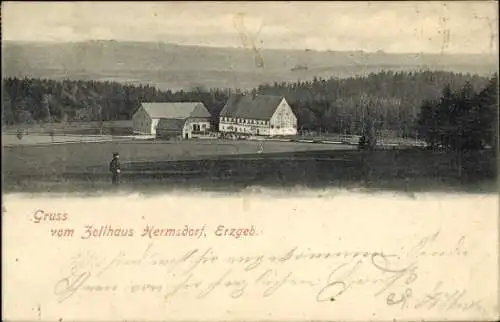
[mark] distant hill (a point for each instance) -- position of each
(171, 66)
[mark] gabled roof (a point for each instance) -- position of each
(262, 107)
(177, 110)
(171, 124)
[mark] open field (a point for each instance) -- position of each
(48, 133)
(235, 165)
(90, 127)
(37, 139)
(54, 159)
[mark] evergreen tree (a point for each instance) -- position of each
(461, 120)
(7, 113)
(45, 109)
(21, 113)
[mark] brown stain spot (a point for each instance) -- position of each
(248, 40)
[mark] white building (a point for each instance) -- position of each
(257, 115)
(186, 118)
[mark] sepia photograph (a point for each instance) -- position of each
(212, 121)
(232, 95)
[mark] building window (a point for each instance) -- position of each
(272, 126)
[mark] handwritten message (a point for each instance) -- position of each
(389, 276)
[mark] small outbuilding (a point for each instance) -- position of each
(183, 119)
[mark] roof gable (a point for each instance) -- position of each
(260, 107)
(176, 110)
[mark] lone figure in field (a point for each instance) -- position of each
(260, 149)
(114, 167)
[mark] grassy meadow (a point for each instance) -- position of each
(233, 165)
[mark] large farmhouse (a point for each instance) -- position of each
(182, 119)
(257, 115)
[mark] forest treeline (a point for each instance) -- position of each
(386, 101)
(462, 119)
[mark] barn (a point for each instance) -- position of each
(183, 118)
(266, 115)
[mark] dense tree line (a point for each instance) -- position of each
(28, 100)
(378, 103)
(462, 119)
(381, 103)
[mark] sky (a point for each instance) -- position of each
(399, 26)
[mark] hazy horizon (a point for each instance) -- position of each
(60, 42)
(466, 27)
